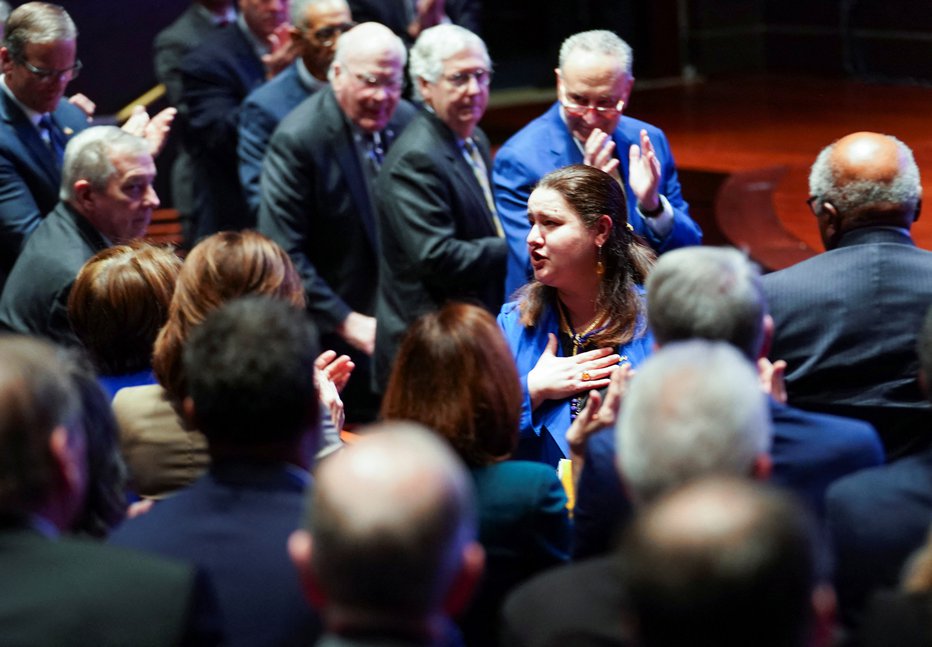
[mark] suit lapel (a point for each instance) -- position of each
(29, 141)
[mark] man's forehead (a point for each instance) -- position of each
(591, 68)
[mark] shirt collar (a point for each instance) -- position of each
(310, 82)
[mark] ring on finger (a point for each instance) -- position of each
(585, 376)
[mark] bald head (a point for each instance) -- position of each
(864, 179)
(390, 520)
(723, 562)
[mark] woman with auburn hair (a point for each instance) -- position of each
(118, 304)
(583, 312)
(163, 452)
(454, 374)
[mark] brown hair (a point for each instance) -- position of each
(455, 374)
(224, 266)
(119, 301)
(592, 193)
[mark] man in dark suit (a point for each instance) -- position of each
(316, 26)
(846, 320)
(215, 78)
(107, 199)
(878, 518)
(389, 547)
(440, 237)
(318, 202)
(60, 591)
(715, 293)
(586, 126)
(408, 18)
(661, 448)
(171, 45)
(250, 374)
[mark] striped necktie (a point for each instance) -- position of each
(482, 177)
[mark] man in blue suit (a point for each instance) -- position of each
(250, 373)
(586, 126)
(317, 24)
(716, 294)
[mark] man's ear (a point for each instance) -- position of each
(83, 195)
(626, 90)
(6, 60)
(466, 580)
(300, 549)
(918, 207)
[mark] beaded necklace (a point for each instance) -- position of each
(579, 340)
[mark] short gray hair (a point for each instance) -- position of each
(437, 44)
(37, 22)
(712, 293)
(694, 408)
(89, 154)
(905, 190)
(599, 41)
(297, 10)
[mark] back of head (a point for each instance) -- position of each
(437, 44)
(38, 23)
(224, 266)
(89, 156)
(712, 293)
(390, 517)
(598, 41)
(250, 373)
(454, 374)
(868, 178)
(120, 301)
(36, 397)
(694, 409)
(721, 562)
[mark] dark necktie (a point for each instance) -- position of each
(479, 169)
(54, 137)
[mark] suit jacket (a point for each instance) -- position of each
(174, 42)
(542, 432)
(216, 77)
(30, 177)
(259, 115)
(234, 523)
(846, 323)
(35, 298)
(524, 529)
(69, 592)
(810, 451)
(896, 619)
(545, 145)
(438, 239)
(396, 15)
(579, 604)
(876, 519)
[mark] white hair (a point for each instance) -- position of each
(89, 155)
(437, 44)
(599, 41)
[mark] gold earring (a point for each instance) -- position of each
(599, 265)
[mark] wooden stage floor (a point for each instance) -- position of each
(744, 145)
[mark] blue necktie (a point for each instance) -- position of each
(56, 138)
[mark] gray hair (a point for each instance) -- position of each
(297, 10)
(390, 517)
(437, 44)
(712, 293)
(694, 409)
(89, 155)
(37, 22)
(599, 41)
(364, 38)
(905, 190)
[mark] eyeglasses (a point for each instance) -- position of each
(578, 109)
(43, 74)
(390, 84)
(327, 36)
(460, 79)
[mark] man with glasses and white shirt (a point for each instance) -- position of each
(585, 125)
(441, 239)
(318, 198)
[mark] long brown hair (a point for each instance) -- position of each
(454, 374)
(592, 193)
(224, 266)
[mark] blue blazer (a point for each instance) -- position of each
(545, 145)
(30, 177)
(259, 115)
(234, 523)
(809, 452)
(542, 432)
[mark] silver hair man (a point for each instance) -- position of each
(363, 38)
(599, 41)
(694, 408)
(89, 156)
(437, 44)
(297, 9)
